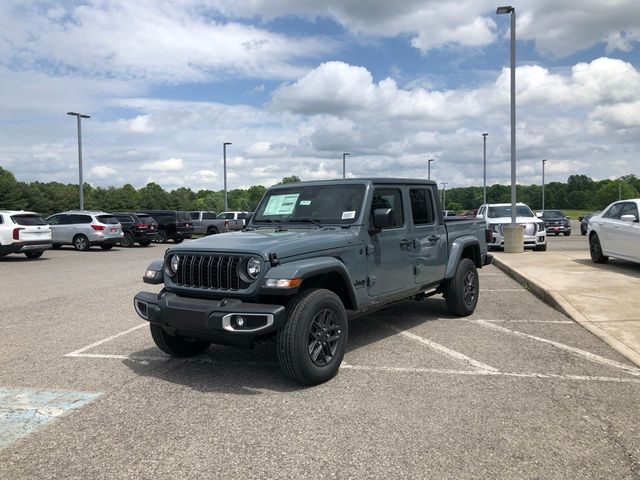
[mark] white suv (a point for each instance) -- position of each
(23, 232)
(497, 215)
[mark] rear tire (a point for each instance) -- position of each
(178, 240)
(33, 255)
(161, 236)
(106, 247)
(81, 243)
(566, 234)
(312, 343)
(461, 292)
(583, 230)
(212, 231)
(595, 249)
(145, 243)
(127, 240)
(176, 346)
(56, 246)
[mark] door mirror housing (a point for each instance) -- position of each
(382, 218)
(628, 218)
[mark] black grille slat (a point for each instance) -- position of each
(212, 272)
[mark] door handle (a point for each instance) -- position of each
(405, 243)
(433, 238)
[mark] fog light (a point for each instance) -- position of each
(240, 321)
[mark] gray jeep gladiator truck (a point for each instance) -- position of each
(313, 255)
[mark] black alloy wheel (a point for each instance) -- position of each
(595, 249)
(161, 236)
(461, 292)
(312, 343)
(127, 241)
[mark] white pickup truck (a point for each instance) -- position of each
(616, 232)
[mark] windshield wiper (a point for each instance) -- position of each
(269, 220)
(306, 220)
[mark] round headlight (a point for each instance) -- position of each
(254, 265)
(172, 264)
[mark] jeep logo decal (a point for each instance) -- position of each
(359, 283)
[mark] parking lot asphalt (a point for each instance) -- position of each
(603, 298)
(517, 390)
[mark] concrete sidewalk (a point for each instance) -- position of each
(604, 299)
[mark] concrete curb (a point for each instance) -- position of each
(556, 300)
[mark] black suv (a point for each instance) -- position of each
(556, 222)
(136, 228)
(172, 225)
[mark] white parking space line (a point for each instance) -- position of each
(503, 290)
(435, 371)
(565, 322)
(78, 353)
(442, 349)
(588, 355)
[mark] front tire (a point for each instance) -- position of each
(176, 346)
(145, 243)
(312, 343)
(461, 291)
(106, 247)
(212, 231)
(541, 248)
(595, 249)
(566, 234)
(33, 255)
(583, 230)
(178, 240)
(81, 243)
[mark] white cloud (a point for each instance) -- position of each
(101, 172)
(141, 124)
(170, 165)
(151, 41)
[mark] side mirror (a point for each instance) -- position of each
(568, 217)
(539, 214)
(382, 218)
(628, 218)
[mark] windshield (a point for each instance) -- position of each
(505, 211)
(552, 214)
(339, 204)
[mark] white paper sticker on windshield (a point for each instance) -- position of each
(305, 202)
(349, 215)
(281, 204)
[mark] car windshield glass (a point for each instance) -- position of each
(26, 219)
(108, 219)
(336, 204)
(505, 211)
(553, 214)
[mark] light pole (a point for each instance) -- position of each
(224, 164)
(444, 195)
(81, 181)
(543, 162)
(514, 241)
(619, 190)
(484, 163)
(344, 164)
(429, 168)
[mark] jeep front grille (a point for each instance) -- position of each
(214, 272)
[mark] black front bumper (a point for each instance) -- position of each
(212, 320)
(25, 246)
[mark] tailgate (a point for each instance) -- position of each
(31, 227)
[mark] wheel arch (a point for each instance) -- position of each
(466, 246)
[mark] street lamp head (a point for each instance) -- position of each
(226, 143)
(346, 153)
(485, 134)
(544, 161)
(81, 115)
(504, 10)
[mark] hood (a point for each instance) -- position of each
(284, 244)
(506, 220)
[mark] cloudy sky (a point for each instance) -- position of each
(295, 83)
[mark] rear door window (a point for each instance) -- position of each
(208, 216)
(196, 215)
(421, 206)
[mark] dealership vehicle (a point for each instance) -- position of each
(313, 255)
(23, 232)
(84, 229)
(236, 219)
(208, 223)
(584, 222)
(616, 232)
(556, 222)
(172, 225)
(136, 228)
(497, 215)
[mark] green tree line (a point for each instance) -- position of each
(579, 192)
